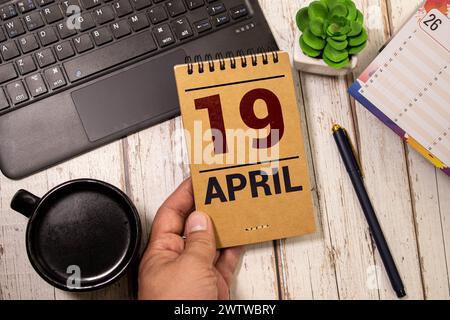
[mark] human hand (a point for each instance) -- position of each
(174, 269)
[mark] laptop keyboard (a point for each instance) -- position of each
(48, 45)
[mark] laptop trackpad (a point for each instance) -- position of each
(145, 92)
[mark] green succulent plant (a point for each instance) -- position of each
(332, 30)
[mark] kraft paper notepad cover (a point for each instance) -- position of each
(259, 189)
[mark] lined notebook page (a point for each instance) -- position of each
(412, 83)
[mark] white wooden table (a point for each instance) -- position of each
(412, 198)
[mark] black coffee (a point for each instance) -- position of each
(88, 229)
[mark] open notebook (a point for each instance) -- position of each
(408, 85)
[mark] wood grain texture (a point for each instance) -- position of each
(340, 260)
(305, 264)
(346, 239)
(426, 194)
(443, 184)
(386, 176)
(18, 280)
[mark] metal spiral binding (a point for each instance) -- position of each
(252, 54)
(243, 57)
(219, 57)
(208, 60)
(198, 60)
(263, 53)
(188, 62)
(230, 56)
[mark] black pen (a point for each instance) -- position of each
(351, 164)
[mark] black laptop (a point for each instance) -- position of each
(77, 74)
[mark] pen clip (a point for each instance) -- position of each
(358, 162)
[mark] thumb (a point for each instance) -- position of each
(200, 242)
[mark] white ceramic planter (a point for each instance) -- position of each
(310, 65)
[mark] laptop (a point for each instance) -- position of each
(78, 74)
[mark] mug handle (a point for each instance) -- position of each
(24, 202)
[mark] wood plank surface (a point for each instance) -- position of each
(305, 264)
(427, 186)
(384, 164)
(340, 261)
(18, 280)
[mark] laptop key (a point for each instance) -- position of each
(36, 85)
(7, 72)
(63, 31)
(216, 8)
(26, 5)
(14, 28)
(116, 53)
(103, 15)
(221, 19)
(47, 36)
(157, 14)
(102, 36)
(175, 7)
(9, 50)
(139, 21)
(83, 43)
(239, 11)
(17, 92)
(86, 21)
(55, 78)
(122, 7)
(193, 4)
(181, 28)
(164, 35)
(70, 7)
(3, 100)
(45, 57)
(52, 13)
(121, 29)
(202, 25)
(141, 4)
(7, 12)
(28, 43)
(43, 3)
(64, 50)
(26, 65)
(33, 21)
(88, 4)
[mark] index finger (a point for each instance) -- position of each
(172, 214)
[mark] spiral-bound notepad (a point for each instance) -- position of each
(246, 150)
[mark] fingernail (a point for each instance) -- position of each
(197, 222)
